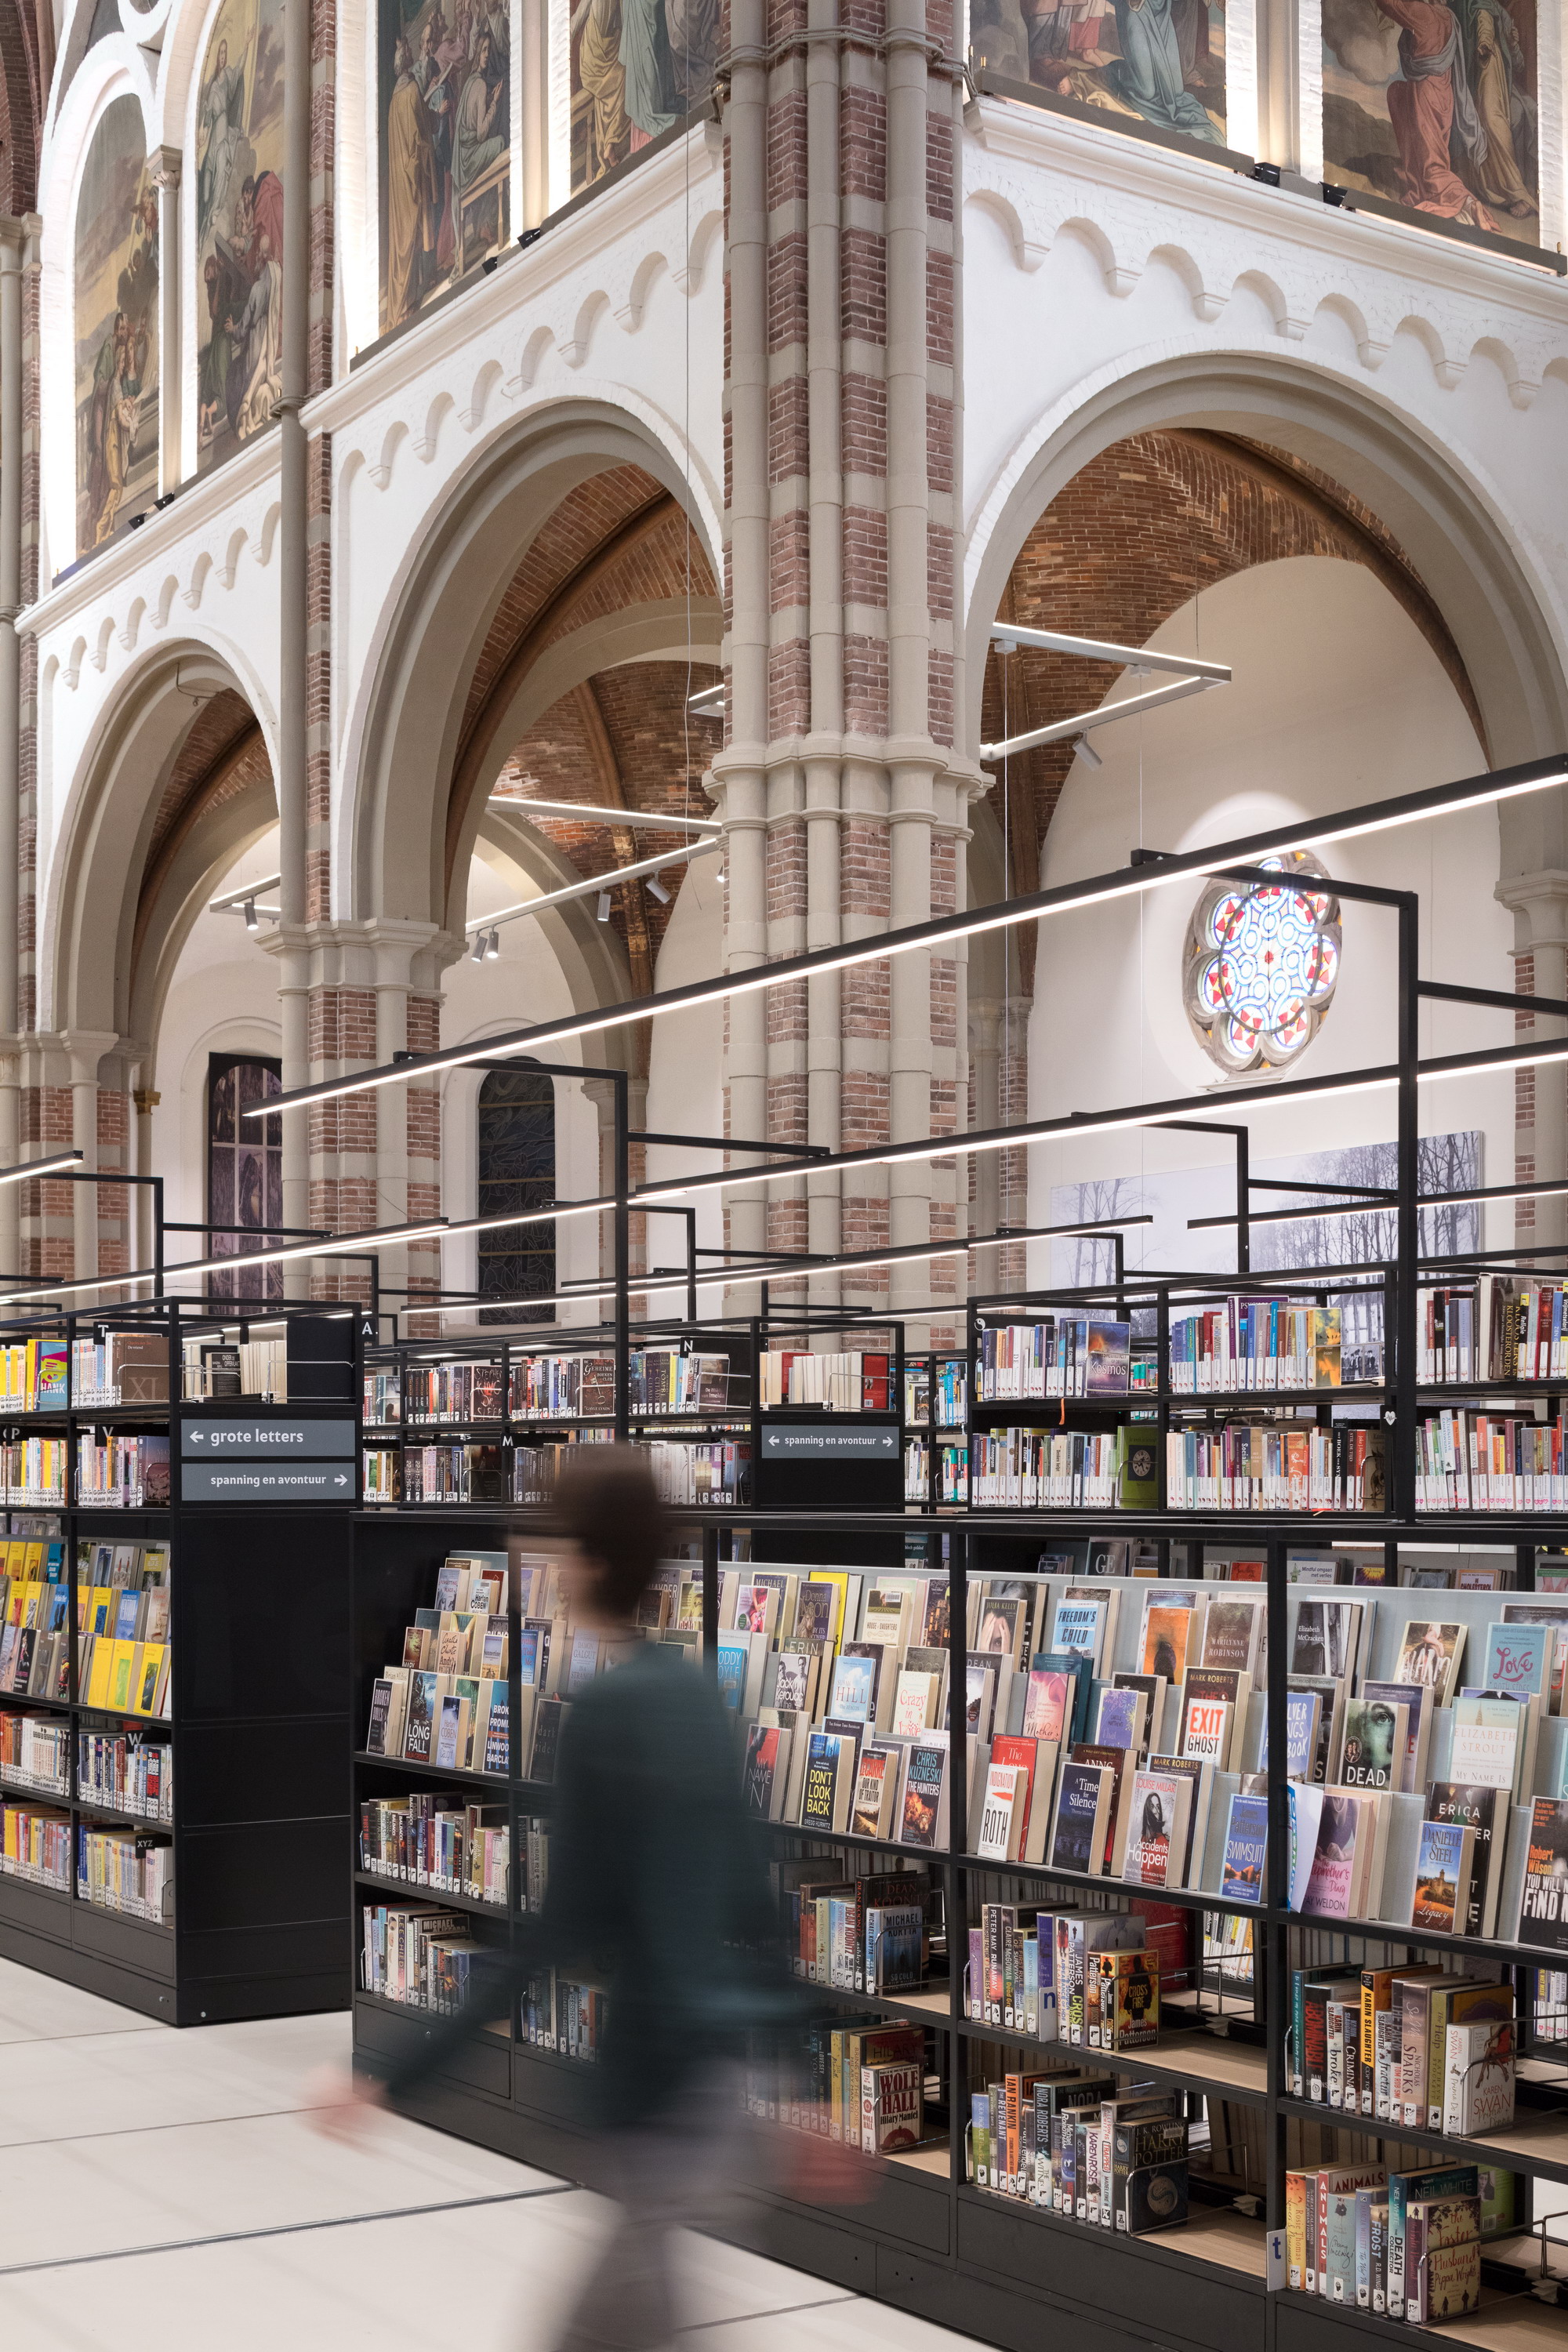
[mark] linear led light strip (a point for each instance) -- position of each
(1002, 1138)
(377, 1237)
(1346, 825)
(758, 1270)
(1369, 1208)
(635, 820)
(50, 1167)
(611, 880)
(1193, 676)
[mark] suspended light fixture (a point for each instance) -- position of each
(1034, 905)
(603, 906)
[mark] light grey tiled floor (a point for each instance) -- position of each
(166, 2190)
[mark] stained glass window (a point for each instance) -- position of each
(1261, 964)
(517, 1171)
(244, 1169)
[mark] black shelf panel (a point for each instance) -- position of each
(498, 1782)
(410, 1890)
(1187, 1898)
(1488, 1947)
(1197, 2062)
(1535, 2142)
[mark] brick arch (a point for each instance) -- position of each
(222, 759)
(572, 545)
(617, 542)
(1139, 531)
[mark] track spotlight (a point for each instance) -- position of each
(250, 922)
(1086, 753)
(492, 947)
(657, 890)
(479, 946)
(603, 906)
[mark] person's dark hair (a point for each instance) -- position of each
(606, 1501)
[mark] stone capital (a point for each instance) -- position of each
(164, 167)
(1539, 904)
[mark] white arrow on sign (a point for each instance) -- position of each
(198, 1437)
(342, 1479)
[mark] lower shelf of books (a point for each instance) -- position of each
(1505, 2322)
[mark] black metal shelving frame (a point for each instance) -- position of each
(258, 1922)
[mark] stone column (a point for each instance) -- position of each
(164, 174)
(842, 578)
(86, 1049)
(293, 529)
(1540, 907)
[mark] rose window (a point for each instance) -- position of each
(1262, 960)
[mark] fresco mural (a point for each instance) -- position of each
(1160, 61)
(446, 145)
(116, 292)
(1433, 105)
(239, 228)
(637, 67)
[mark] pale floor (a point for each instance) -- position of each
(164, 2191)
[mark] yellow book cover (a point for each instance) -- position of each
(105, 1603)
(149, 1674)
(33, 1560)
(102, 1660)
(15, 1555)
(32, 1603)
(124, 1658)
(1300, 2193)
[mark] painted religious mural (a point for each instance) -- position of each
(637, 67)
(1159, 61)
(445, 79)
(239, 228)
(1432, 104)
(116, 294)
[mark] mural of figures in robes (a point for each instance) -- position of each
(1160, 61)
(239, 228)
(446, 145)
(637, 66)
(1432, 104)
(116, 284)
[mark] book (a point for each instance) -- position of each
(923, 1798)
(890, 2099)
(1485, 1749)
(1374, 1743)
(1519, 1659)
(875, 1806)
(1430, 1654)
(1160, 1804)
(1442, 2258)
(1326, 1638)
(1246, 1849)
(1084, 1798)
(1478, 2077)
(1443, 1865)
(1330, 1886)
(830, 1767)
(1168, 1637)
(1485, 1811)
(1544, 1911)
(1233, 1634)
(766, 1776)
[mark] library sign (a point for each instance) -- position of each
(268, 1457)
(814, 1444)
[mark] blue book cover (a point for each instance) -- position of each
(1078, 1807)
(1519, 1659)
(1076, 1626)
(1245, 1846)
(734, 1658)
(854, 1690)
(1118, 1717)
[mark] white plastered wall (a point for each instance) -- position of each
(1337, 698)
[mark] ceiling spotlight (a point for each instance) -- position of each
(478, 947)
(250, 922)
(603, 906)
(492, 947)
(657, 890)
(719, 876)
(1086, 753)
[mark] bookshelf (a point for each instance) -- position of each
(931, 2238)
(183, 1850)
